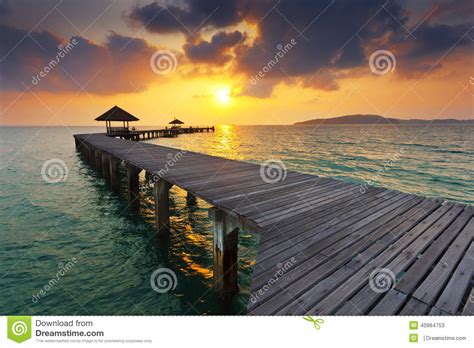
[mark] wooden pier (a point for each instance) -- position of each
(325, 246)
(117, 114)
(146, 134)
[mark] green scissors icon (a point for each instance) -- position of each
(316, 322)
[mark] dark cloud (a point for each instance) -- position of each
(433, 42)
(450, 11)
(437, 39)
(332, 36)
(195, 14)
(440, 11)
(39, 60)
(333, 39)
(4, 7)
(215, 51)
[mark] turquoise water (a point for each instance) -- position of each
(110, 250)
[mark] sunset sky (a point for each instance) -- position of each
(213, 62)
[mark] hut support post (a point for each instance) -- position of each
(133, 185)
(226, 233)
(114, 173)
(162, 207)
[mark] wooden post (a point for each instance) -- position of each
(106, 164)
(79, 146)
(162, 207)
(226, 234)
(90, 154)
(148, 178)
(133, 183)
(114, 170)
(190, 198)
(85, 150)
(98, 160)
(88, 151)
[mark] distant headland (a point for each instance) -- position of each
(377, 119)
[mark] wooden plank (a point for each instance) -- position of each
(332, 231)
(298, 185)
(437, 312)
(414, 307)
(409, 254)
(433, 284)
(425, 261)
(281, 198)
(403, 224)
(453, 293)
(348, 288)
(469, 306)
(327, 212)
(295, 230)
(297, 281)
(390, 303)
(335, 231)
(295, 208)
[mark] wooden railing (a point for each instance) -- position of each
(117, 130)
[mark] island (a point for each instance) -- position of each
(377, 119)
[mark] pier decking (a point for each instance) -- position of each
(325, 247)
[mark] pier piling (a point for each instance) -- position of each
(133, 185)
(114, 169)
(98, 160)
(190, 199)
(162, 207)
(226, 234)
(105, 165)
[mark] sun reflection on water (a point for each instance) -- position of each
(227, 141)
(193, 267)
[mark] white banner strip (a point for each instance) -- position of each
(233, 331)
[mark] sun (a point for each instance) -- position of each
(223, 95)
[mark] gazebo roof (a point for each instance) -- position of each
(176, 121)
(116, 114)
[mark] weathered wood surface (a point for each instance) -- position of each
(325, 247)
